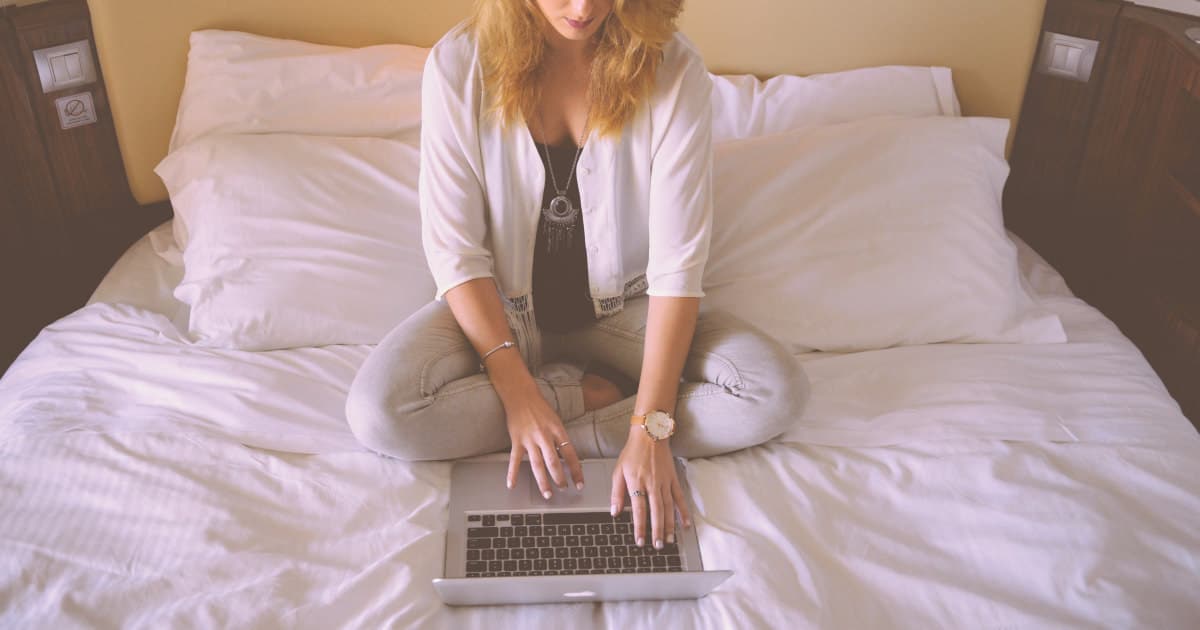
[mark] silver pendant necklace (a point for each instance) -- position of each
(561, 216)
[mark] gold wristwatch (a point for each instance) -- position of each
(659, 425)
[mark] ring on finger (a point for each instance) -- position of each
(637, 493)
(560, 445)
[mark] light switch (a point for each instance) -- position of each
(1067, 57)
(66, 66)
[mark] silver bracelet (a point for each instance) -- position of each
(506, 344)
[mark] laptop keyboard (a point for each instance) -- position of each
(561, 543)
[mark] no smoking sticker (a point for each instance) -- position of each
(75, 110)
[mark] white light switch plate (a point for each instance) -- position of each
(1067, 57)
(75, 110)
(65, 66)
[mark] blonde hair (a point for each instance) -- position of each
(511, 43)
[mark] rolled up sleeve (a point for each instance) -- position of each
(680, 213)
(453, 220)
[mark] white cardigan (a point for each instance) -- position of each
(646, 196)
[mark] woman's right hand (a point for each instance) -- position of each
(537, 431)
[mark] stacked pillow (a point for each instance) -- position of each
(853, 211)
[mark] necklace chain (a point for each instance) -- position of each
(578, 151)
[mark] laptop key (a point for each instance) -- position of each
(514, 542)
(532, 553)
(670, 548)
(535, 573)
(629, 541)
(518, 519)
(606, 528)
(601, 540)
(612, 570)
(474, 518)
(520, 573)
(606, 551)
(502, 554)
(510, 565)
(482, 532)
(570, 518)
(660, 569)
(501, 517)
(636, 551)
(659, 561)
(628, 562)
(675, 569)
(587, 541)
(578, 530)
(489, 520)
(561, 552)
(487, 554)
(572, 541)
(556, 564)
(585, 563)
(489, 574)
(504, 574)
(550, 573)
(472, 575)
(628, 570)
(643, 562)
(521, 531)
(539, 565)
(557, 541)
(499, 543)
(476, 566)
(543, 541)
(472, 554)
(570, 564)
(506, 532)
(576, 552)
(674, 561)
(593, 528)
(620, 551)
(495, 565)
(525, 565)
(517, 554)
(597, 571)
(535, 530)
(533, 519)
(528, 541)
(591, 552)
(479, 543)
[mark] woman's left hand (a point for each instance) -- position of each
(647, 466)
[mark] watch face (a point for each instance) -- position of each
(659, 425)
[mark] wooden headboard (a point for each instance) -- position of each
(142, 45)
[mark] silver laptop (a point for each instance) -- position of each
(514, 547)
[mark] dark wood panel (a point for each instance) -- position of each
(86, 161)
(31, 225)
(1048, 148)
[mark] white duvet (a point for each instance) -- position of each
(148, 482)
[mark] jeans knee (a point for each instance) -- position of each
(781, 388)
(374, 424)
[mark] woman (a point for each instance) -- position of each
(566, 205)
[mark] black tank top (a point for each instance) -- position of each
(562, 300)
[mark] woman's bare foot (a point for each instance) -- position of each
(598, 392)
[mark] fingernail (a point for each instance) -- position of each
(579, 485)
(671, 538)
(546, 494)
(641, 541)
(612, 510)
(687, 523)
(509, 484)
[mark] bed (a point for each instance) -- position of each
(150, 480)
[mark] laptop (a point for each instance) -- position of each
(515, 547)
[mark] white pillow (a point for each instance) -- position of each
(297, 240)
(244, 83)
(871, 234)
(744, 107)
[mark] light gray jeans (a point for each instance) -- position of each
(420, 395)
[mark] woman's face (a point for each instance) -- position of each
(575, 20)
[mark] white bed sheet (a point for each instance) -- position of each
(149, 482)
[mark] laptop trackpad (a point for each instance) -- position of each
(597, 477)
